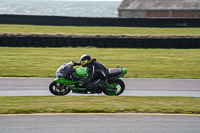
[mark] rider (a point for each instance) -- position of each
(95, 69)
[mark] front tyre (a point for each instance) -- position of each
(118, 88)
(58, 88)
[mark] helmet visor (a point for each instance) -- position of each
(84, 62)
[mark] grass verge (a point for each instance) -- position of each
(95, 30)
(141, 63)
(98, 104)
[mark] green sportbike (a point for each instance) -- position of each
(64, 82)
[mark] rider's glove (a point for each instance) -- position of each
(76, 64)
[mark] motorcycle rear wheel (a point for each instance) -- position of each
(58, 89)
(119, 89)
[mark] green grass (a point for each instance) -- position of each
(132, 31)
(141, 63)
(99, 104)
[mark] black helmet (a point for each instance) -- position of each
(85, 60)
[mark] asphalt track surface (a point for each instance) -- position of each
(134, 87)
(99, 123)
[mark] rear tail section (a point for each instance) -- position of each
(115, 73)
(124, 72)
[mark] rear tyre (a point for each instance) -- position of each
(119, 89)
(58, 89)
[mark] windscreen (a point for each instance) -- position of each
(64, 69)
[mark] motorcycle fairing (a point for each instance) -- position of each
(81, 72)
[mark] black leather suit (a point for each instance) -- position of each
(97, 70)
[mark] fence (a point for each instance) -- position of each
(101, 42)
(97, 21)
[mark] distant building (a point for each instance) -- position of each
(160, 8)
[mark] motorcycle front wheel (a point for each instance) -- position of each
(58, 89)
(119, 89)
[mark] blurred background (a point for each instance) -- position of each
(83, 8)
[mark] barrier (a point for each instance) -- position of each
(101, 42)
(99, 21)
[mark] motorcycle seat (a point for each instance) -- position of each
(114, 72)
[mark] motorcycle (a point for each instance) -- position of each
(64, 82)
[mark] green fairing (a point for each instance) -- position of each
(81, 72)
(124, 70)
(68, 83)
(57, 80)
(64, 81)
